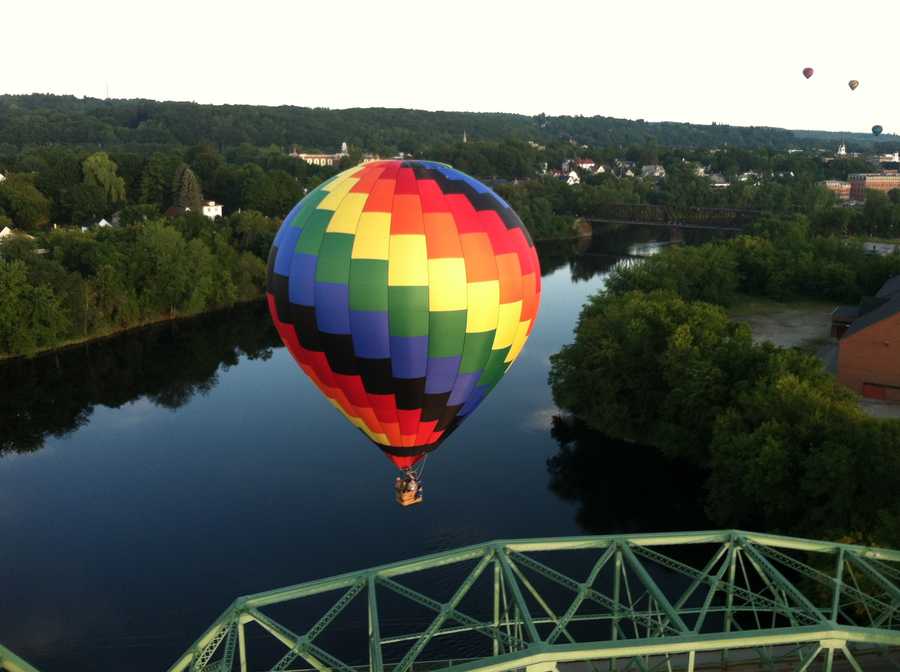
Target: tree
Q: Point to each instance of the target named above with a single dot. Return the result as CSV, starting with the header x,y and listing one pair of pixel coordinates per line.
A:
x,y
651,367
87,203
101,171
22,201
186,189
156,179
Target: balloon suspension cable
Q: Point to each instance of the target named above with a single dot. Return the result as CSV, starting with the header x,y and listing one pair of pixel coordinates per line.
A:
x,y
417,470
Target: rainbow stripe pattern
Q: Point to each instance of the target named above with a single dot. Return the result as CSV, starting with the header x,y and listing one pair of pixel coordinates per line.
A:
x,y
404,290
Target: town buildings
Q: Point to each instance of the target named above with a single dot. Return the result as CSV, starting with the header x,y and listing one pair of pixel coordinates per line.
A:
x,y
320,159
861,182
653,170
869,346
839,188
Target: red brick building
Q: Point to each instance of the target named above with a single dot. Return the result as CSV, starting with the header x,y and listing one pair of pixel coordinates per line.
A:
x,y
860,182
869,351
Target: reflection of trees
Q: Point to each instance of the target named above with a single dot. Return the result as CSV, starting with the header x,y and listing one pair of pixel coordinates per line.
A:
x,y
555,254
55,394
621,486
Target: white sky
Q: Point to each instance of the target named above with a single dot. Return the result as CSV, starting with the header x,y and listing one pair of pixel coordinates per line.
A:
x,y
684,60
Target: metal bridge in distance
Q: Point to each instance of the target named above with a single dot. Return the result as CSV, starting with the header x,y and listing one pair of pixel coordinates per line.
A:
x,y
722,219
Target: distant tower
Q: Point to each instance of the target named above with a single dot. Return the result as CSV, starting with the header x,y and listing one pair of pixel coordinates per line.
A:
x,y
842,150
465,139
343,148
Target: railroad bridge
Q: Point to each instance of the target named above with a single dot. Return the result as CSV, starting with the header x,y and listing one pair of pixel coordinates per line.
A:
x,y
643,602
723,219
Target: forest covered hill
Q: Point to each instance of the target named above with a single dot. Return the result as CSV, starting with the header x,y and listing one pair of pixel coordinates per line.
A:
x,y
38,119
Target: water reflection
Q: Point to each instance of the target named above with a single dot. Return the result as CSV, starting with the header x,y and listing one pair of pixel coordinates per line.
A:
x,y
55,394
621,486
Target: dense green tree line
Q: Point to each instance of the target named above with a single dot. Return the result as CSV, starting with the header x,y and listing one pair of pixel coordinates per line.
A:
x,y
42,119
68,285
781,261
69,185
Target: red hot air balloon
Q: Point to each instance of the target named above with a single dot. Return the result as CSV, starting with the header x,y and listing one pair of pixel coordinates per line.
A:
x,y
808,72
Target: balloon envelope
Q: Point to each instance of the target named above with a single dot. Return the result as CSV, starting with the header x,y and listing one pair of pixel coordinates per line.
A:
x,y
876,130
808,72
404,290
853,84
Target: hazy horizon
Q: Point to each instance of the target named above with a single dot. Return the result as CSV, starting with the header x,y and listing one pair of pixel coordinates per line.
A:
x,y
699,63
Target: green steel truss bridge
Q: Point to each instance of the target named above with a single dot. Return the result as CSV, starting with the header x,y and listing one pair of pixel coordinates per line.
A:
x,y
643,602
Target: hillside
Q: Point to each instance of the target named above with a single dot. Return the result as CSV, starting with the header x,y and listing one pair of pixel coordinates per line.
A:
x,y
37,119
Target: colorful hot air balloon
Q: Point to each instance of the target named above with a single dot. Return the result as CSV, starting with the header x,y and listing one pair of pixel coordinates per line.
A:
x,y
404,290
808,72
853,84
877,129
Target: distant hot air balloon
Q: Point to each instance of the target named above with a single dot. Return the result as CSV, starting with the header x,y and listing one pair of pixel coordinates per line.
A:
x,y
404,290
877,129
808,72
853,84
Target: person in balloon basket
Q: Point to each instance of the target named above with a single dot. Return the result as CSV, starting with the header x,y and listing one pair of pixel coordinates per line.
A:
x,y
408,489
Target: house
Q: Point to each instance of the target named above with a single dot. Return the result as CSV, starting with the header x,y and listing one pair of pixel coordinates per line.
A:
x,y
211,209
2,177
718,181
750,176
841,150
653,170
869,348
585,164
103,224
571,178
8,233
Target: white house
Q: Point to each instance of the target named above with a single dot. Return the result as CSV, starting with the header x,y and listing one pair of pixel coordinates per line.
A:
x,y
718,181
653,170
211,209
572,178
103,224
2,177
841,150
8,233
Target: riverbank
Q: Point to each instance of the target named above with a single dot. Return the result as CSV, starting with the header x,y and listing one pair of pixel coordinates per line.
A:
x,y
113,333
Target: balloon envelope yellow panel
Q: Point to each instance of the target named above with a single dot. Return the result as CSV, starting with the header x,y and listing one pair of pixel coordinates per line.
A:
x,y
404,290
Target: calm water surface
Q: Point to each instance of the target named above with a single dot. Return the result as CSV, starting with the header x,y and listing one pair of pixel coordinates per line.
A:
x,y
147,480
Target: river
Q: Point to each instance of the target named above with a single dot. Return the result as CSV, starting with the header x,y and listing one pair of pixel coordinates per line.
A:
x,y
148,479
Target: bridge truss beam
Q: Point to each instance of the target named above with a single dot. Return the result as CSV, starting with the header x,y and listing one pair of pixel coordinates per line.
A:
x,y
646,602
